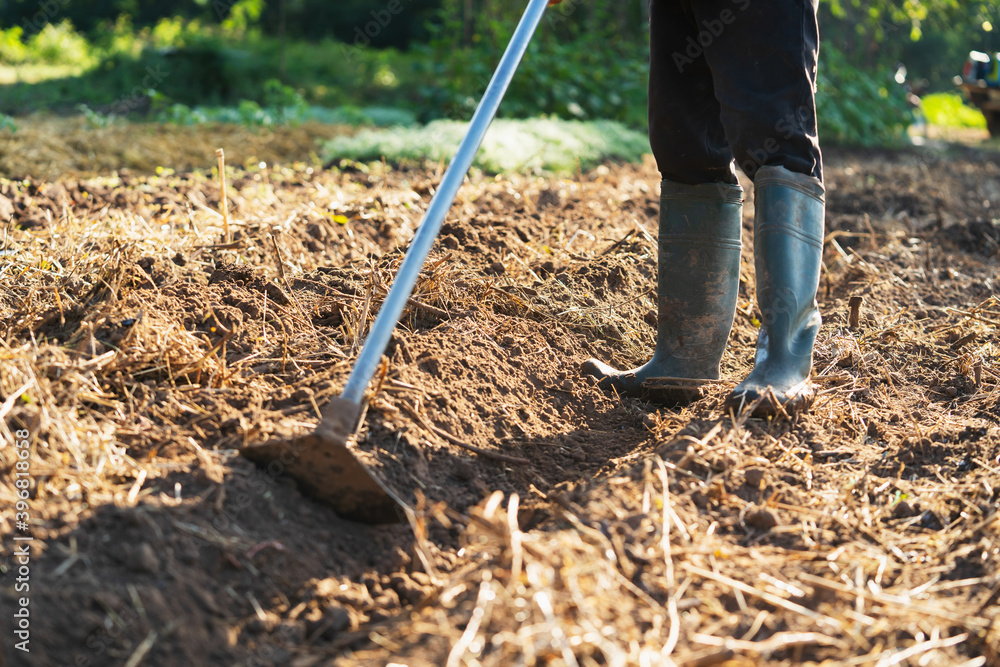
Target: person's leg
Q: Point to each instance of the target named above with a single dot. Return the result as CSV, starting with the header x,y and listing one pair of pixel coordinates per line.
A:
x,y
763,61
685,128
701,213
763,64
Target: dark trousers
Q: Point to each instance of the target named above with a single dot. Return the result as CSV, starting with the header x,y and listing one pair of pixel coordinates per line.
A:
x,y
733,80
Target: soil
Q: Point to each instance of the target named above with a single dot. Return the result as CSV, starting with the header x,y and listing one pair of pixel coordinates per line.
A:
x,y
149,350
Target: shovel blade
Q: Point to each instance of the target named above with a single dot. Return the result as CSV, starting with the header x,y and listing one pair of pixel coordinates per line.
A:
x,y
325,468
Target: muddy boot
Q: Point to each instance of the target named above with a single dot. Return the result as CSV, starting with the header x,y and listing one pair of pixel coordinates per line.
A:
x,y
788,251
697,282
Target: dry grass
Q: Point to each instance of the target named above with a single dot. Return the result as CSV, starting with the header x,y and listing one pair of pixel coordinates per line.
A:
x,y
654,583
667,563
864,533
52,148
839,539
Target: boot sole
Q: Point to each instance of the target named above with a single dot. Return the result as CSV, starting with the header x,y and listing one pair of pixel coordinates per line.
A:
x,y
674,392
667,392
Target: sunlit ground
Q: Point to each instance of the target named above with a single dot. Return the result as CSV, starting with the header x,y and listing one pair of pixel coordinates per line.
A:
x,y
10,74
921,135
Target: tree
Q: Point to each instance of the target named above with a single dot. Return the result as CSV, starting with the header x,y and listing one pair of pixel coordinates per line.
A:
x,y
931,37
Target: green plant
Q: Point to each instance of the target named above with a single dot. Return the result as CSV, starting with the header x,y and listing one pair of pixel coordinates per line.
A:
x,y
950,110
7,123
242,15
375,116
290,105
12,49
61,44
856,107
182,114
94,119
250,113
586,73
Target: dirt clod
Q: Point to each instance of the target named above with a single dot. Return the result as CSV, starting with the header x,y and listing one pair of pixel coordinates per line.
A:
x,y
6,209
409,590
762,519
754,477
145,559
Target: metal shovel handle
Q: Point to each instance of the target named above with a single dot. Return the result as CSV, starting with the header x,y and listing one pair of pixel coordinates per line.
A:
x,y
416,255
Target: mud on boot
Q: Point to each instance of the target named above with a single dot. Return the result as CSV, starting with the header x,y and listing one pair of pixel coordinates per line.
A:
x,y
698,276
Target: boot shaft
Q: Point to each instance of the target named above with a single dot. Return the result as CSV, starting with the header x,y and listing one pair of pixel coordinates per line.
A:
x,y
697,275
788,249
702,215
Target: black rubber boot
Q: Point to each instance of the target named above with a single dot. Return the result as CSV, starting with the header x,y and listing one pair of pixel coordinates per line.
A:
x,y
788,252
697,282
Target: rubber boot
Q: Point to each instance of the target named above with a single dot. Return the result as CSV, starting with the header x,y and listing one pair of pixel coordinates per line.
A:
x,y
788,252
697,283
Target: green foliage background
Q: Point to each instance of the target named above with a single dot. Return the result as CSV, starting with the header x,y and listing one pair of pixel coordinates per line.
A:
x,y
274,60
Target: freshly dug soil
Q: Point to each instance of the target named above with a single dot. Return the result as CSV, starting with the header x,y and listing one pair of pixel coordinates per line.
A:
x,y
142,352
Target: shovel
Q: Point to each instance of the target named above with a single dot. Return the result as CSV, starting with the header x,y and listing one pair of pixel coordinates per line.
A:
x,y
321,461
